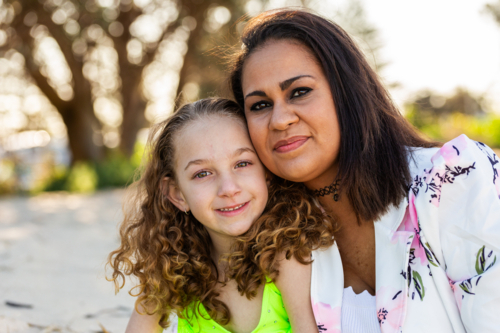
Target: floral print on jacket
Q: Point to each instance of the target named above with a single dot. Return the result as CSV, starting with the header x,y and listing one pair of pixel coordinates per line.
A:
x,y
436,253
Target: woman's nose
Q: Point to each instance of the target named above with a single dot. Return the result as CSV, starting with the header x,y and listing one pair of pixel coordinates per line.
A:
x,y
228,186
283,115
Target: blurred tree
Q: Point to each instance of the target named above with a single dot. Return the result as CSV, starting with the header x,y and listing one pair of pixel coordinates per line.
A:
x,y
443,118
494,9
353,18
428,107
110,66
99,39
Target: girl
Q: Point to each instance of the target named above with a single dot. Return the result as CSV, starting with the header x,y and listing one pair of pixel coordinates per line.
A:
x,y
203,185
419,222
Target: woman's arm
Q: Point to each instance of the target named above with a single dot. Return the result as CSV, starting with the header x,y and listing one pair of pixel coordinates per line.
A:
x,y
143,323
294,283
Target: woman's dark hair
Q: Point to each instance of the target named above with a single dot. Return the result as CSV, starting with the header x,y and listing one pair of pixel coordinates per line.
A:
x,y
373,156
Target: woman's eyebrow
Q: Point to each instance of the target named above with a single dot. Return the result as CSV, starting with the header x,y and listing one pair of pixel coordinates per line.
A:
x,y
283,85
256,93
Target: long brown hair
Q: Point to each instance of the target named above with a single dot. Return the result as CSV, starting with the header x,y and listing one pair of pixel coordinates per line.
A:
x,y
169,251
375,137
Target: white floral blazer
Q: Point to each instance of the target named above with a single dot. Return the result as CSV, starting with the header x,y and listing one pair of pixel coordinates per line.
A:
x,y
436,254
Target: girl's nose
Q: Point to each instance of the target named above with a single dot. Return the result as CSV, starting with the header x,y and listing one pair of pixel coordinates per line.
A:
x,y
228,186
282,117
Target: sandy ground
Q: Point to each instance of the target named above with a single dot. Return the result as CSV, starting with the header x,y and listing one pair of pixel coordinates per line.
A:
x,y
53,248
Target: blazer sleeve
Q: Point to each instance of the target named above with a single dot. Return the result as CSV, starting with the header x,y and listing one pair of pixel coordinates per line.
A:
x,y
465,178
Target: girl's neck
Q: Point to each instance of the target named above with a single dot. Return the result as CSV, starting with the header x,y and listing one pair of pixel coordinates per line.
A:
x,y
221,244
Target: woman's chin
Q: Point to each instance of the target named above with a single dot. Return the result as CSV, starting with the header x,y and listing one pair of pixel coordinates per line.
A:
x,y
298,172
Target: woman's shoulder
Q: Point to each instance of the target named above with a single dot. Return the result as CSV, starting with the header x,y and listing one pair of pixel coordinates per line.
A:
x,y
460,155
458,165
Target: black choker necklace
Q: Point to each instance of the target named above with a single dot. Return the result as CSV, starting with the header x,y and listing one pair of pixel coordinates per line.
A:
x,y
332,188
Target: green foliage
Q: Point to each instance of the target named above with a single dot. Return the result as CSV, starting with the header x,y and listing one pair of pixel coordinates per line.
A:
x,y
485,129
7,176
458,114
56,181
82,178
115,171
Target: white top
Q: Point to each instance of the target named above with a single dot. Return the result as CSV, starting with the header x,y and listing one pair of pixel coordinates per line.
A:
x,y
359,312
437,252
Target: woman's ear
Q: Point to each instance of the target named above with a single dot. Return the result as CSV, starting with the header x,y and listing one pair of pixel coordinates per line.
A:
x,y
173,193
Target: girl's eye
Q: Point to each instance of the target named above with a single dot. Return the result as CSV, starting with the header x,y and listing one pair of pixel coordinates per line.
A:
x,y
242,164
300,92
202,174
259,106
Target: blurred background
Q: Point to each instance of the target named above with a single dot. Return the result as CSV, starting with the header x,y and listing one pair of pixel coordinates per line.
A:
x,y
82,80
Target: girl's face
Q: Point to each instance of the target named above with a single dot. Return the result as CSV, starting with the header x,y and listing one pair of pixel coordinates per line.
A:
x,y
290,112
219,179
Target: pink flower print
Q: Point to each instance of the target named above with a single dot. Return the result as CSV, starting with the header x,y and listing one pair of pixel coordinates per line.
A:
x,y
450,152
327,319
390,309
410,223
457,292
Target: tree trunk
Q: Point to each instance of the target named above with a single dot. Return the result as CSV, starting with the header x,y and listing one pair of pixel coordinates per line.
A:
x,y
77,114
190,64
133,111
80,132
133,103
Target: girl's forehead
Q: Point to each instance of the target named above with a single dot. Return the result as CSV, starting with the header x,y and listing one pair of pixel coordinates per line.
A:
x,y
211,124
211,137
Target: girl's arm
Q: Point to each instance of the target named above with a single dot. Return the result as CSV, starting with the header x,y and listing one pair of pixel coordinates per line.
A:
x,y
294,283
143,323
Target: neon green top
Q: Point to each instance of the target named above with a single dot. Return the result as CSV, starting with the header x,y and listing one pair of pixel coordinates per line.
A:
x,y
273,317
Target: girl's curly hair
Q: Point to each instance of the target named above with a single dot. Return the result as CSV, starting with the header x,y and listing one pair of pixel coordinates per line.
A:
x,y
293,224
169,251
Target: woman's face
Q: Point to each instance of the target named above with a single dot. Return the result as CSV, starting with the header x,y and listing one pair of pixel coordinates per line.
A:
x,y
290,113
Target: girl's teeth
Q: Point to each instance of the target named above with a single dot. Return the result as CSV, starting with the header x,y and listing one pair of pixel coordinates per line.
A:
x,y
230,209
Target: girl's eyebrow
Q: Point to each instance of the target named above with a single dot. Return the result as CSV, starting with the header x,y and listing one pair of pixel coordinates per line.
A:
x,y
242,150
237,152
195,162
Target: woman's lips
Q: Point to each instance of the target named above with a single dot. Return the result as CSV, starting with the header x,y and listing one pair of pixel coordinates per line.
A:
x,y
235,210
290,144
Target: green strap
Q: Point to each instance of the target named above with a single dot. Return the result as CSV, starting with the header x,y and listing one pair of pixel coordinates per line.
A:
x,y
273,317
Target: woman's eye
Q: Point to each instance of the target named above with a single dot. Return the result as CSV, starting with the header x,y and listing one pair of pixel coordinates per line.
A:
x,y
202,174
242,164
259,106
300,91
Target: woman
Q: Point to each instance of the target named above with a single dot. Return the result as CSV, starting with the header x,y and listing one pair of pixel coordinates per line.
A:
x,y
419,225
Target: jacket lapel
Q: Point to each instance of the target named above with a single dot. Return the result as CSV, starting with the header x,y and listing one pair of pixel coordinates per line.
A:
x,y
392,256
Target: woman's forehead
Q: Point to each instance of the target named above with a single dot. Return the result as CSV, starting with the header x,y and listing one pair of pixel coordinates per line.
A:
x,y
276,62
